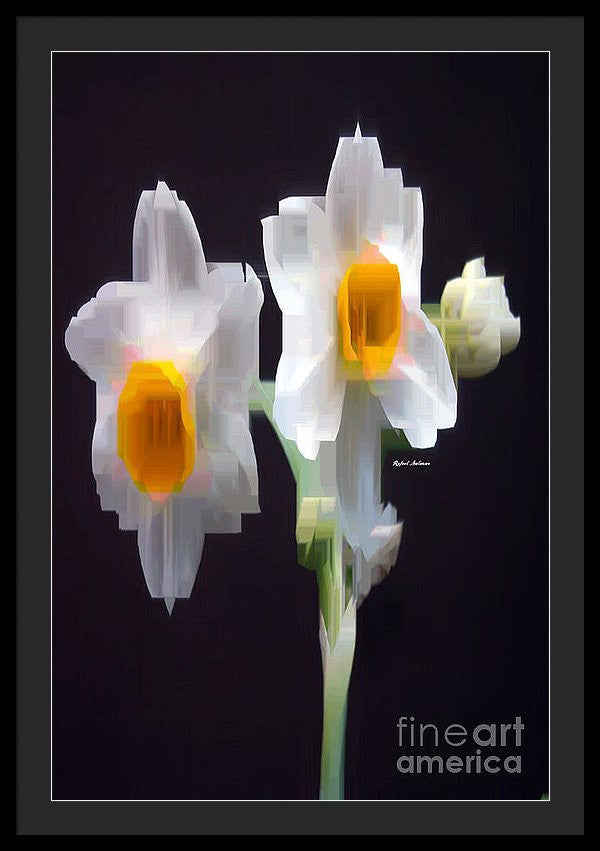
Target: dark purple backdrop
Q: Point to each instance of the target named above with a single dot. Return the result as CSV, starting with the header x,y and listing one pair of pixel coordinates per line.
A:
x,y
223,700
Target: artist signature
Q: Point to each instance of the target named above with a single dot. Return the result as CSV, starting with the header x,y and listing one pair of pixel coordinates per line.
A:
x,y
412,463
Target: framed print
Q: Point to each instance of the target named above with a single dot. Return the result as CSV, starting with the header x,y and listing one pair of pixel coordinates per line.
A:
x,y
301,452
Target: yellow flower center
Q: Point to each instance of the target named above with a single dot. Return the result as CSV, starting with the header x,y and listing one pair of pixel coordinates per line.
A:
x,y
369,314
155,428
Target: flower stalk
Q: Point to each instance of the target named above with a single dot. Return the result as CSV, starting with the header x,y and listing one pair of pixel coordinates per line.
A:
x,y
337,669
321,548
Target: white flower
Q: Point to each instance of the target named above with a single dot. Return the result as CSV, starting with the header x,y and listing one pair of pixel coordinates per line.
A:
x,y
476,322
359,354
173,353
346,271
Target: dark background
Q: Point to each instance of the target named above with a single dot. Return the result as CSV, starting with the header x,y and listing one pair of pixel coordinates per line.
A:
x,y
223,700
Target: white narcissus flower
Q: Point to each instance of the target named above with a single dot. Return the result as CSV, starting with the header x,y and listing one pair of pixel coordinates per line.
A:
x,y
358,354
346,272
172,353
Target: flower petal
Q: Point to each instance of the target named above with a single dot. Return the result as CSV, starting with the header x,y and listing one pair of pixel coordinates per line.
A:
x,y
167,251
300,260
309,395
358,463
378,556
235,352
419,395
354,202
170,542
113,483
401,242
96,338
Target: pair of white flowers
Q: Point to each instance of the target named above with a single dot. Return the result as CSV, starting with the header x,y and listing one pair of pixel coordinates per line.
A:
x,y
174,353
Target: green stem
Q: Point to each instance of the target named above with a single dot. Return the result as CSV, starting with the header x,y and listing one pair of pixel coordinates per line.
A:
x,y
320,545
337,668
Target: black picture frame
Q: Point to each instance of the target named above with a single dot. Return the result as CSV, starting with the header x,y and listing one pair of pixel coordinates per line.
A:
x,y
36,38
